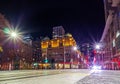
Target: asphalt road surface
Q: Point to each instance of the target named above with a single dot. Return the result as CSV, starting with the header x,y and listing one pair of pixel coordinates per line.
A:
x,y
70,76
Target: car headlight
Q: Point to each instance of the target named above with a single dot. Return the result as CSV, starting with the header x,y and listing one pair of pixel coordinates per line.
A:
x,y
96,67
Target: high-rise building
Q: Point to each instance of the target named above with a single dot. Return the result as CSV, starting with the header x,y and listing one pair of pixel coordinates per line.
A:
x,y
37,57
111,35
87,49
58,31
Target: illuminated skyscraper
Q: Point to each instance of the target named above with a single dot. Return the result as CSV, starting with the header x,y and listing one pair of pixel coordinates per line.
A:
x,y
58,31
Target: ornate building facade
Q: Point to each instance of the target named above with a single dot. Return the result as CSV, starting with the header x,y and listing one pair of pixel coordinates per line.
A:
x,y
3,47
111,35
13,55
59,52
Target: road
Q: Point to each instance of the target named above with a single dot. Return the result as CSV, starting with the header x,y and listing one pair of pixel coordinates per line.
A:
x,y
70,76
42,76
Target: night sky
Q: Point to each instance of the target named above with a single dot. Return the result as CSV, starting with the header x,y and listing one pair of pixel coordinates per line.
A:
x,y
84,19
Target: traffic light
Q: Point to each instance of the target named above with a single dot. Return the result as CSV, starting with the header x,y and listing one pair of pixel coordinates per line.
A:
x,y
6,30
46,60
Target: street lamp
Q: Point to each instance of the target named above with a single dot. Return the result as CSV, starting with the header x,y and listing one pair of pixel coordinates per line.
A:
x,y
14,36
74,48
64,59
97,46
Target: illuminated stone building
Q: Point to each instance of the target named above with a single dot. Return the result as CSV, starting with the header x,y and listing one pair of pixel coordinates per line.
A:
x,y
3,47
59,51
13,55
111,35
3,24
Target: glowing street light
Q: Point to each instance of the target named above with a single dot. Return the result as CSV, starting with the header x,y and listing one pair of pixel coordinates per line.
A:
x,y
14,34
97,46
75,48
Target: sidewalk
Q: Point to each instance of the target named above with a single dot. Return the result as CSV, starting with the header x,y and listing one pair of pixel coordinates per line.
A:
x,y
106,77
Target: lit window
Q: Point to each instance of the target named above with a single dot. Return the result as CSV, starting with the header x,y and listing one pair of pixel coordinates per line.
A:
x,y
117,34
113,42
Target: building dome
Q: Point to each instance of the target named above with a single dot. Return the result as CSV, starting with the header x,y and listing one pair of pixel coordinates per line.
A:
x,y
68,35
46,38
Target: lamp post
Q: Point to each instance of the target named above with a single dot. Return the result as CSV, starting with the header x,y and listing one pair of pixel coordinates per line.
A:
x,y
46,57
74,49
14,36
97,47
64,59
